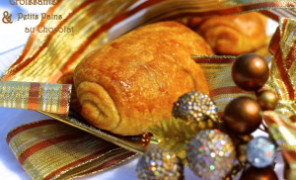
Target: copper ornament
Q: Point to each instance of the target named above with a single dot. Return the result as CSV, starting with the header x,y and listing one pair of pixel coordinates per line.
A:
x,y
250,72
242,115
253,173
293,118
267,99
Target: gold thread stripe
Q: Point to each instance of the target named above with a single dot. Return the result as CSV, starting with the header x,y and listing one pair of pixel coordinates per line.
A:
x,y
217,70
84,18
48,130
222,8
108,164
285,136
20,129
63,154
281,45
67,56
283,69
53,98
44,144
33,96
78,161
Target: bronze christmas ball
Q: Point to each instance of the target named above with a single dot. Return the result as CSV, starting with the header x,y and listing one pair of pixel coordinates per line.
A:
x,y
242,115
267,99
253,173
292,120
250,72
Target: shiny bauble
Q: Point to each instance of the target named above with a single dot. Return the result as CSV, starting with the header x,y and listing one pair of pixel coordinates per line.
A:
x,y
211,154
250,72
242,115
292,120
261,152
158,164
253,173
267,99
195,106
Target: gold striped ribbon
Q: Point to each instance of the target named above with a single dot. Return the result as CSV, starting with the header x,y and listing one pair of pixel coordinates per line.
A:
x,y
47,56
217,70
283,70
285,136
49,150
283,81
52,98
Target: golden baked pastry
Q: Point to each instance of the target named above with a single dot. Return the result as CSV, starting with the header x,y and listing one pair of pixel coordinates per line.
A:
x,y
264,49
235,34
131,83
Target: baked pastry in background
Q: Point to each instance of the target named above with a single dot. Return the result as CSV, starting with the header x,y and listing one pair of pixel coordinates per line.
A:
x,y
263,51
234,34
131,83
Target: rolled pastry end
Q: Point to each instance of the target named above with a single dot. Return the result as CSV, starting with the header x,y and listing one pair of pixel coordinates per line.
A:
x,y
97,106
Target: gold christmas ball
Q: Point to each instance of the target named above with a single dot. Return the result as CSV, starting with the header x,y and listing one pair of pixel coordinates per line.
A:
x,y
242,115
250,72
267,99
253,173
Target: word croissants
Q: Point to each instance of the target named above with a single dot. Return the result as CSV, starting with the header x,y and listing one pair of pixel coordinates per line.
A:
x,y
131,83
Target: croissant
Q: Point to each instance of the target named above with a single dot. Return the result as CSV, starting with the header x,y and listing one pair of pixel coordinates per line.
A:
x,y
235,34
131,83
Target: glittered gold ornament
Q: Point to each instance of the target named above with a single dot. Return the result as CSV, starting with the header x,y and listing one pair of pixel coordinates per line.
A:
x,y
174,134
267,99
194,107
211,154
250,72
242,115
159,164
253,173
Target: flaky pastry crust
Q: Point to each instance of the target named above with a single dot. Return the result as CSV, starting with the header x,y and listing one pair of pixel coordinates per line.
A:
x,y
234,34
131,83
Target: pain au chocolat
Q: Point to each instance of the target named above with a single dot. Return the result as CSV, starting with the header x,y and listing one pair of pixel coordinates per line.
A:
x,y
131,83
234,34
